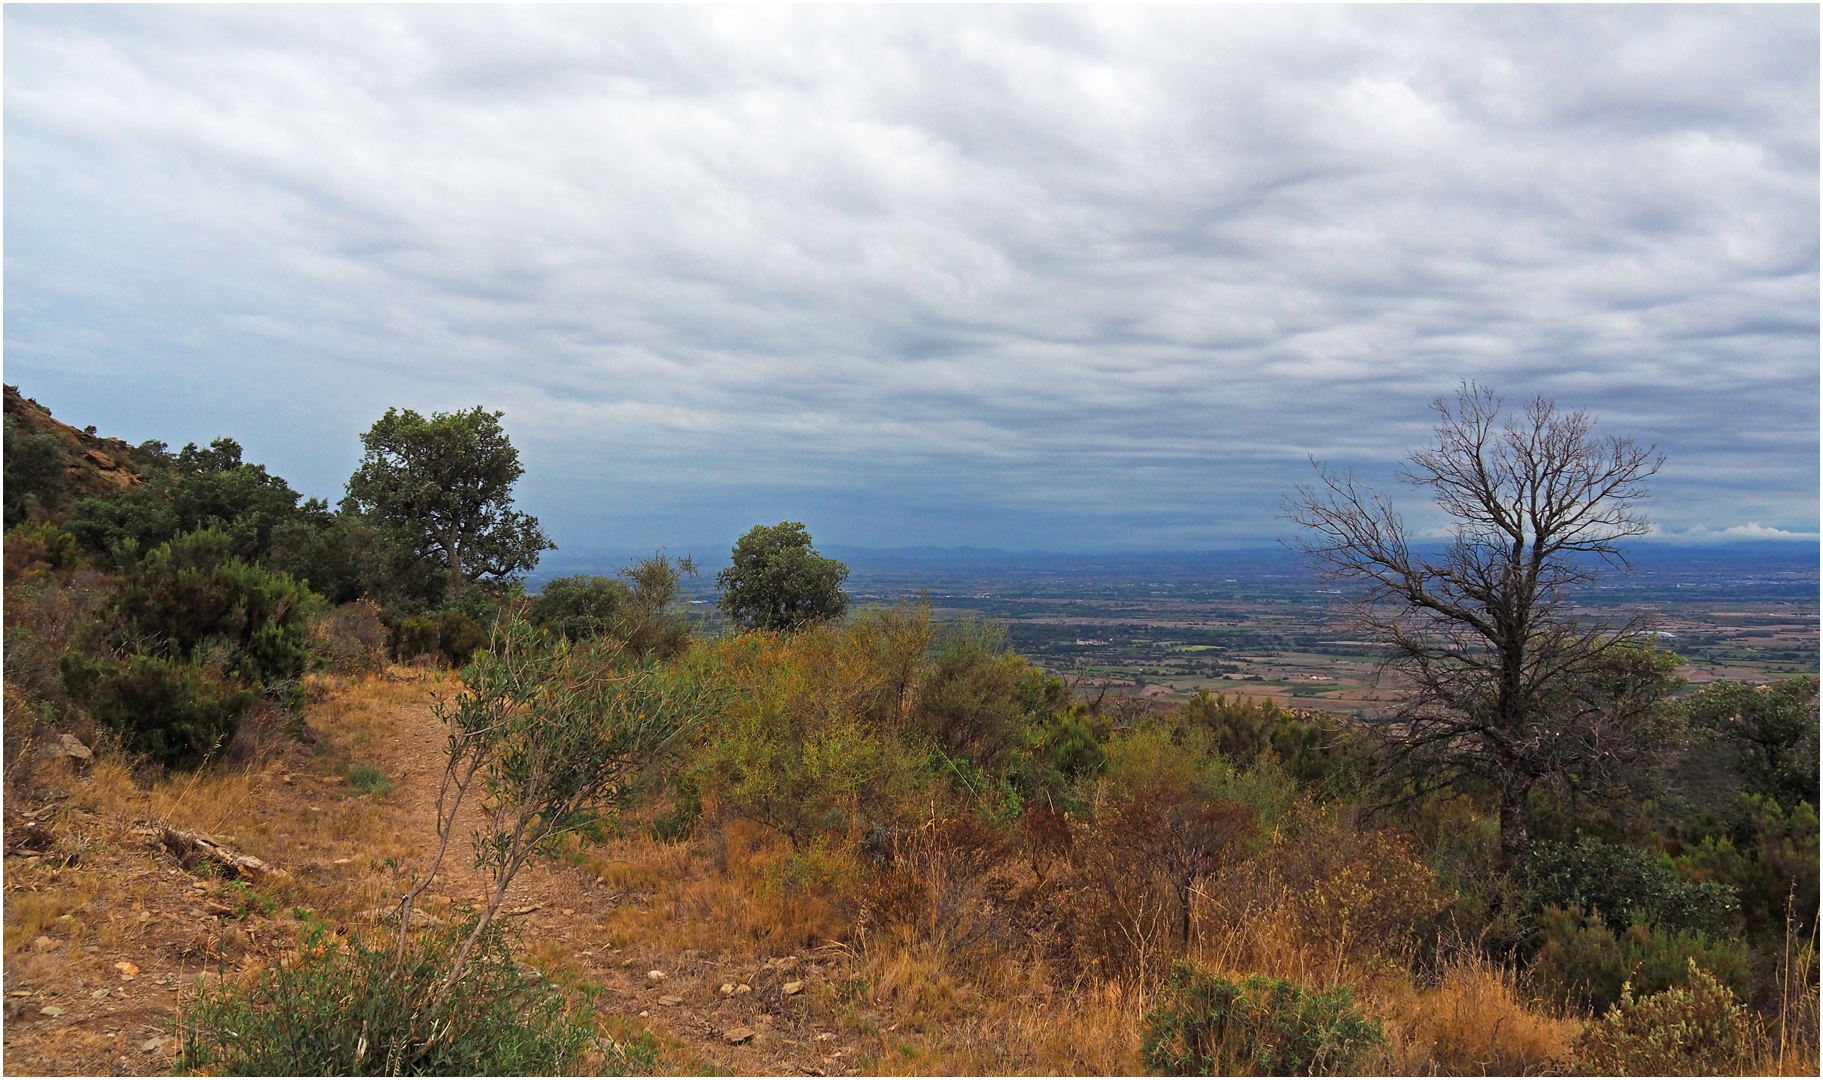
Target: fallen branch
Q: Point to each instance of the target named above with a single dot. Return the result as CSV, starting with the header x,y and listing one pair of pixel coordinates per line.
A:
x,y
193,848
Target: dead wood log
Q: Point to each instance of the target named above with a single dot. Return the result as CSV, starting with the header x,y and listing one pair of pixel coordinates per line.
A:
x,y
191,849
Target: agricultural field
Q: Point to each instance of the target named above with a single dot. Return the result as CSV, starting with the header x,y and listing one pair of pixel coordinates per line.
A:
x,y
1257,624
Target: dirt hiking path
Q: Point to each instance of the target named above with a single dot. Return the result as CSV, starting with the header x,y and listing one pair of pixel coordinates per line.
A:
x,y
108,930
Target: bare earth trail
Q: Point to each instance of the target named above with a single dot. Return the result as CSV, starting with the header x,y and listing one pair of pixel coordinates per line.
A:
x,y
563,913
103,948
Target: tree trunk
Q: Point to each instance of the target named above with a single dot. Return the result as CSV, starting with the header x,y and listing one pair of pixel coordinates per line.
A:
x,y
456,581
1515,823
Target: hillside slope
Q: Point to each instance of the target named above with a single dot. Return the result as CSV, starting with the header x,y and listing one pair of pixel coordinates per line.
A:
x,y
97,465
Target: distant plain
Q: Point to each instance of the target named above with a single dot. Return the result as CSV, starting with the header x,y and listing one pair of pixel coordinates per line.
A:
x,y
1261,624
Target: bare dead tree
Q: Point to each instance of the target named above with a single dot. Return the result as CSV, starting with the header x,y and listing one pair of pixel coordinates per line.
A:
x,y
1503,683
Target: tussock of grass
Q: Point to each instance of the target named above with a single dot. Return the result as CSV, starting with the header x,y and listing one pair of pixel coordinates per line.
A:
x,y
368,780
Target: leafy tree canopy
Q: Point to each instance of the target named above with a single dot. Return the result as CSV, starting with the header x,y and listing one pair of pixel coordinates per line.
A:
x,y
1773,729
779,582
445,483
198,488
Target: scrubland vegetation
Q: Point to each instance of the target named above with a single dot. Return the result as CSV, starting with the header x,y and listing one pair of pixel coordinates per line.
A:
x,y
970,867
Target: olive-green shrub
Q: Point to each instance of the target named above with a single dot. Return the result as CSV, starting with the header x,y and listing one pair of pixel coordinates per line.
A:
x,y
347,1008
1211,1026
1697,1029
1584,963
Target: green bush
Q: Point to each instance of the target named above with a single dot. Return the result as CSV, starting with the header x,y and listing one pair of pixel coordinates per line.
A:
x,y
1243,728
779,763
1210,1026
1778,866
1067,743
795,748
1584,964
654,622
346,1009
1698,1029
193,594
176,712
415,636
1624,884
1770,733
582,606
191,637
193,490
459,635
37,472
1311,748
969,702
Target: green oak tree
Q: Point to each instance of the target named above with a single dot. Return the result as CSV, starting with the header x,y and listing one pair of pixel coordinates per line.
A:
x,y
779,582
446,483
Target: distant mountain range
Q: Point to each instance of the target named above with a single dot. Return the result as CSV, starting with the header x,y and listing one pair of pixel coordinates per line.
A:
x,y
1793,562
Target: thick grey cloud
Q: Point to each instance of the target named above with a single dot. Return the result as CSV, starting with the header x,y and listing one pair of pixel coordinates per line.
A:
x,y
1027,277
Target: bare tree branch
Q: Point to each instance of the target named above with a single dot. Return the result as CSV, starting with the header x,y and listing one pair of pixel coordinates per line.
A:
x,y
1502,683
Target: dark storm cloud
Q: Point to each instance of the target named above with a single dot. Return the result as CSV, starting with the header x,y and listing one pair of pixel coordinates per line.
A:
x,y
1027,277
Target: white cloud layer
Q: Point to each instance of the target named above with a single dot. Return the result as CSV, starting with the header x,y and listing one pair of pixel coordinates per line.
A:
x,y
1027,277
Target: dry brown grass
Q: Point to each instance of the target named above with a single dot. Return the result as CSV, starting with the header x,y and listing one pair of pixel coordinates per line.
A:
x,y
915,1006
107,894
1474,1022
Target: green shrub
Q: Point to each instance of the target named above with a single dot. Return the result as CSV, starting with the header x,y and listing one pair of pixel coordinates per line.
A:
x,y
582,606
1698,1029
653,621
1624,884
346,1009
795,748
193,490
191,637
37,472
788,768
1242,728
969,702
193,594
1584,964
176,712
1778,865
1210,1026
1312,748
415,636
1770,733
1060,752
459,635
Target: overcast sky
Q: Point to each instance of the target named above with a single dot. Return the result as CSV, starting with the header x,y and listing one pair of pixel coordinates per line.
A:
x,y
1069,279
